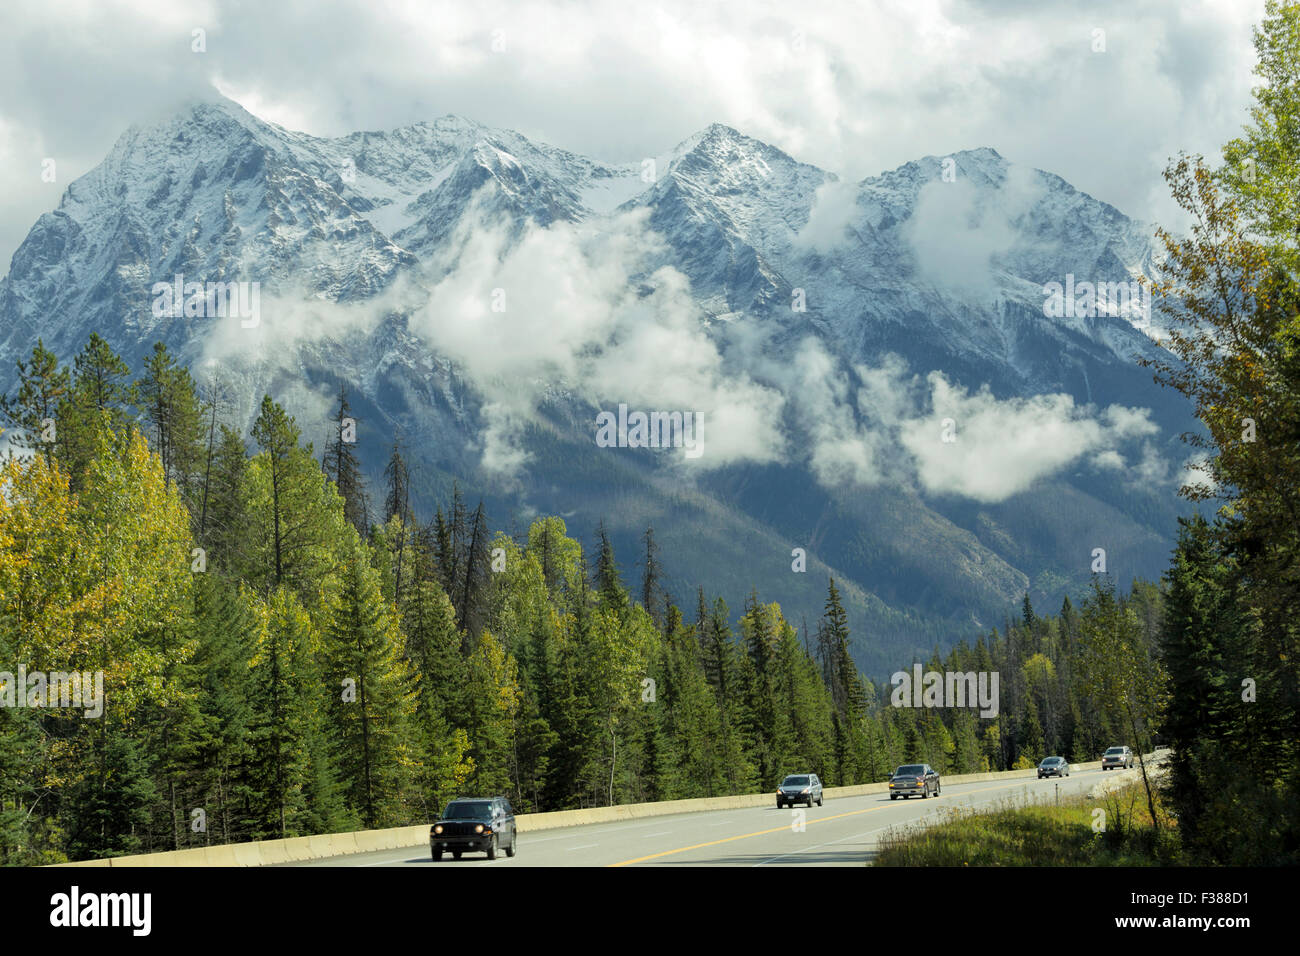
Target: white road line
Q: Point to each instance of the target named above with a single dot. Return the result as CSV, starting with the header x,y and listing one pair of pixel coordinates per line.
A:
x,y
660,833
819,845
531,840
634,826
583,847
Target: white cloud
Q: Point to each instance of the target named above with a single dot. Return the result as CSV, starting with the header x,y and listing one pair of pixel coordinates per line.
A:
x,y
1199,476
1110,460
578,316
1004,446
840,451
954,236
854,88
833,210
575,313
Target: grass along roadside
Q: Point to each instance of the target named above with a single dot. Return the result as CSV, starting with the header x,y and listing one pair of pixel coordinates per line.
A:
x,y
1019,833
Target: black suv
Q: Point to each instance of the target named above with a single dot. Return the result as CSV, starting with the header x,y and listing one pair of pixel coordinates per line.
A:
x,y
474,823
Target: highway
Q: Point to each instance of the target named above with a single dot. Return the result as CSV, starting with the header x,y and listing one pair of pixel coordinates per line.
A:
x,y
843,832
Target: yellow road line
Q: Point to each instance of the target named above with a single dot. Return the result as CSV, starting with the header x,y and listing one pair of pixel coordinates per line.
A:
x,y
745,836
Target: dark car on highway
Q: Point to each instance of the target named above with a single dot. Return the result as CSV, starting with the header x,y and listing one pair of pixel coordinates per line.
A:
x,y
1117,758
1053,767
475,824
914,778
799,788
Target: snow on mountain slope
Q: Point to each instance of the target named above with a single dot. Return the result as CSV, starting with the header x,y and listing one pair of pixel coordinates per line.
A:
x,y
834,303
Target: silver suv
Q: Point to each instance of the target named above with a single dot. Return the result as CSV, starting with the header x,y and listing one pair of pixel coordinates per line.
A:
x,y
799,788
1053,767
1117,758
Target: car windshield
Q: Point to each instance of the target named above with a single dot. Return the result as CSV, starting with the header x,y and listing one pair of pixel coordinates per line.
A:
x,y
911,770
1115,750
468,810
1052,761
795,782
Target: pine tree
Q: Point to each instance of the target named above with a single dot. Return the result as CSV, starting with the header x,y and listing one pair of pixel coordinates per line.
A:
x,y
433,647
225,632
371,697
342,467
493,704
93,407
651,572
474,575
608,582
296,516
171,407
42,387
285,737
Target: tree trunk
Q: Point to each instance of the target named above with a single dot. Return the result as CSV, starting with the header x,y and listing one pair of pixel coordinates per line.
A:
x,y
1146,782
613,761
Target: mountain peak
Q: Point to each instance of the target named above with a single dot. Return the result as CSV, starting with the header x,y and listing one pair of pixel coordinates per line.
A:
x,y
716,136
719,149
215,117
454,122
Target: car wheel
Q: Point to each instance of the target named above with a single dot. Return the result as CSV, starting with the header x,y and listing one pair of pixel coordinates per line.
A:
x,y
455,854
510,850
780,805
492,849
437,855
893,796
820,799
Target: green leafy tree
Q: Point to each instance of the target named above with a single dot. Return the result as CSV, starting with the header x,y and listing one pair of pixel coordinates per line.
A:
x,y
1115,666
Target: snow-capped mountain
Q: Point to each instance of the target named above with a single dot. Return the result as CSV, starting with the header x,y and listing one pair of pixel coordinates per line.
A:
x,y
819,309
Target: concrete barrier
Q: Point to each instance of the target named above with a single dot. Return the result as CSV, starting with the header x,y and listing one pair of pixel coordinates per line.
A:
x,y
298,849
1156,766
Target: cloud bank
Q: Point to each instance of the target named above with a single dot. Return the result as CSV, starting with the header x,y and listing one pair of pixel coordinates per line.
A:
x,y
854,88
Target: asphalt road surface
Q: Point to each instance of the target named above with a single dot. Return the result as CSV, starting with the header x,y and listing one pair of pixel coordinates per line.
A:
x,y
843,832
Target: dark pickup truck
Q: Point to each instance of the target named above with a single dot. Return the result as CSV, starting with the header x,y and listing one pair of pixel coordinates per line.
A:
x,y
912,778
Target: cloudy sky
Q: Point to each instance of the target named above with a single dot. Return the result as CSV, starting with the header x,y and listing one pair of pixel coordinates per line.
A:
x,y
852,86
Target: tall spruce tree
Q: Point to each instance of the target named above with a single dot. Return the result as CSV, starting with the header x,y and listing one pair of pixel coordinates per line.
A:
x,y
32,411
342,467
